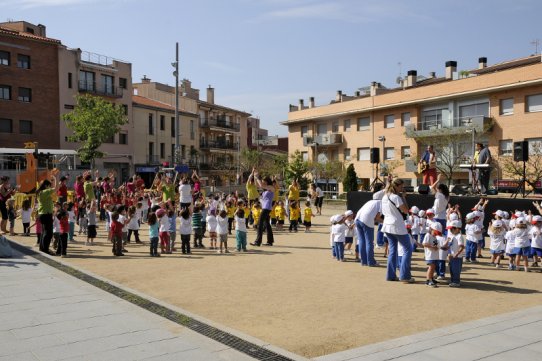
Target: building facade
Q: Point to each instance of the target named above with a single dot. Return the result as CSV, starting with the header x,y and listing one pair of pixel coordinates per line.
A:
x,y
29,110
89,73
501,103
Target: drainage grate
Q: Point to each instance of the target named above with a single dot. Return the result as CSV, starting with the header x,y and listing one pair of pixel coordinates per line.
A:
x,y
211,332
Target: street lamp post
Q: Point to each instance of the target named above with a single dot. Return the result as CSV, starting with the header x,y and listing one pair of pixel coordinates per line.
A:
x,y
177,155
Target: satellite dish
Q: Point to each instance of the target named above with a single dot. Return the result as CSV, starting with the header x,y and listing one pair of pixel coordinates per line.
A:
x,y
398,80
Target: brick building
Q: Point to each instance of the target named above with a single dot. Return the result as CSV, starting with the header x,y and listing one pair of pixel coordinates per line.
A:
x,y
29,96
501,103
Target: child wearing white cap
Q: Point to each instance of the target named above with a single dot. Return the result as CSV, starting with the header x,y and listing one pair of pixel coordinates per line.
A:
x,y
510,245
349,236
414,222
522,245
432,242
455,245
536,239
497,246
422,226
473,233
338,230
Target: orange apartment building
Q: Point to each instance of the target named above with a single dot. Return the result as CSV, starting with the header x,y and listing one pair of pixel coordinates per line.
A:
x,y
502,103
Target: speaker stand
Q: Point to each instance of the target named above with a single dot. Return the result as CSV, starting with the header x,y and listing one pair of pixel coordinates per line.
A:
x,y
377,179
521,185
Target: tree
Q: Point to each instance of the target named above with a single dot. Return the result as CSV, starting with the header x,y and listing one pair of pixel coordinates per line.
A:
x,y
93,121
251,158
533,167
350,182
297,169
275,165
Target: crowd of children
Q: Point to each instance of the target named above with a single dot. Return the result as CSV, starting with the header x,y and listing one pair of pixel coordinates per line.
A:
x,y
517,236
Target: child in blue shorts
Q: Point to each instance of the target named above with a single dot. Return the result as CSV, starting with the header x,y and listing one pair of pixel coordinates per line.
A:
x,y
522,246
431,243
536,239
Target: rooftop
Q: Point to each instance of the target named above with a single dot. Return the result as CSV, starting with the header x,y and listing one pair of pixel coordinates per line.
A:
x,y
29,36
146,102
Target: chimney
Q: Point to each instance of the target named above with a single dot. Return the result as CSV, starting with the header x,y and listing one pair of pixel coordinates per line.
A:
x,y
311,102
412,75
358,93
301,105
374,88
42,30
145,80
432,75
293,108
482,62
210,95
339,96
451,68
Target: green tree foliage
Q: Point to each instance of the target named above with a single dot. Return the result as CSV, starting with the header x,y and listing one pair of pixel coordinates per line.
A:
x,y
297,169
93,121
350,182
251,158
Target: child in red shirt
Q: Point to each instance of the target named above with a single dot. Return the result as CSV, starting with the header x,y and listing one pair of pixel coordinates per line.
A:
x,y
116,234
64,230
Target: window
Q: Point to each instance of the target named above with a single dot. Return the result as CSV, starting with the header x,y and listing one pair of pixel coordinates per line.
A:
x,y
86,80
70,80
162,122
405,119
107,84
534,103
5,92
507,106
25,126
474,110
389,121
535,146
23,61
4,58
335,126
305,156
363,154
110,140
506,147
151,125
172,127
25,95
173,158
6,125
123,138
321,129
125,109
304,130
183,150
389,153
192,132
162,150
347,125
151,149
432,119
347,154
363,124
405,152
122,83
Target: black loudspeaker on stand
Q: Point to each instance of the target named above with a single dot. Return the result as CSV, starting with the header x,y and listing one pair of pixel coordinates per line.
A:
x,y
521,151
375,155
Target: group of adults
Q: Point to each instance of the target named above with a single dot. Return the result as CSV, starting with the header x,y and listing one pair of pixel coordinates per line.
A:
x,y
482,156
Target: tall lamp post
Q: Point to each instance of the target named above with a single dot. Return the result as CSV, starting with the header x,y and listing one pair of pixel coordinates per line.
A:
x,y
177,155
383,167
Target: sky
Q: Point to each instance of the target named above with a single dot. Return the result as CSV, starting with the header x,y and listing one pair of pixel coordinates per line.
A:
x,y
262,55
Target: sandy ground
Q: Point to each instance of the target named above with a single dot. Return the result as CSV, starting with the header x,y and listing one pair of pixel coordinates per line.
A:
x,y
294,295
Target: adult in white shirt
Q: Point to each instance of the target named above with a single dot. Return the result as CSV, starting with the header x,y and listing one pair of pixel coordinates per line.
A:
x,y
442,197
318,195
185,193
393,204
365,220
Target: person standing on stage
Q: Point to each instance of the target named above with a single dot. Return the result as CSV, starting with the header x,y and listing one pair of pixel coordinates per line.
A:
x,y
484,157
428,164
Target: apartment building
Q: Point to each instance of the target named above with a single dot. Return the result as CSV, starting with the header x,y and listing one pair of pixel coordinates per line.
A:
x,y
500,103
82,72
28,86
214,139
154,133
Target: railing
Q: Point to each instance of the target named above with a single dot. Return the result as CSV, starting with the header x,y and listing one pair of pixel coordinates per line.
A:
x,y
90,87
153,159
478,120
217,166
220,123
218,145
96,58
323,140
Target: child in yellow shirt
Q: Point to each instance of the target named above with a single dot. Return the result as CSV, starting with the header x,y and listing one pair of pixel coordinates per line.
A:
x,y
280,213
294,216
256,212
230,209
307,212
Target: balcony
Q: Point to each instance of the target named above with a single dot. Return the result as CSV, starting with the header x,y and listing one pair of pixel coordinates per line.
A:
x,y
324,140
153,159
436,127
90,87
218,166
207,145
219,123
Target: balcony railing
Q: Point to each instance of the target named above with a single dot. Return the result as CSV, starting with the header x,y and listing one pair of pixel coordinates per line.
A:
x,y
458,125
90,87
323,140
218,145
218,166
153,159
219,123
